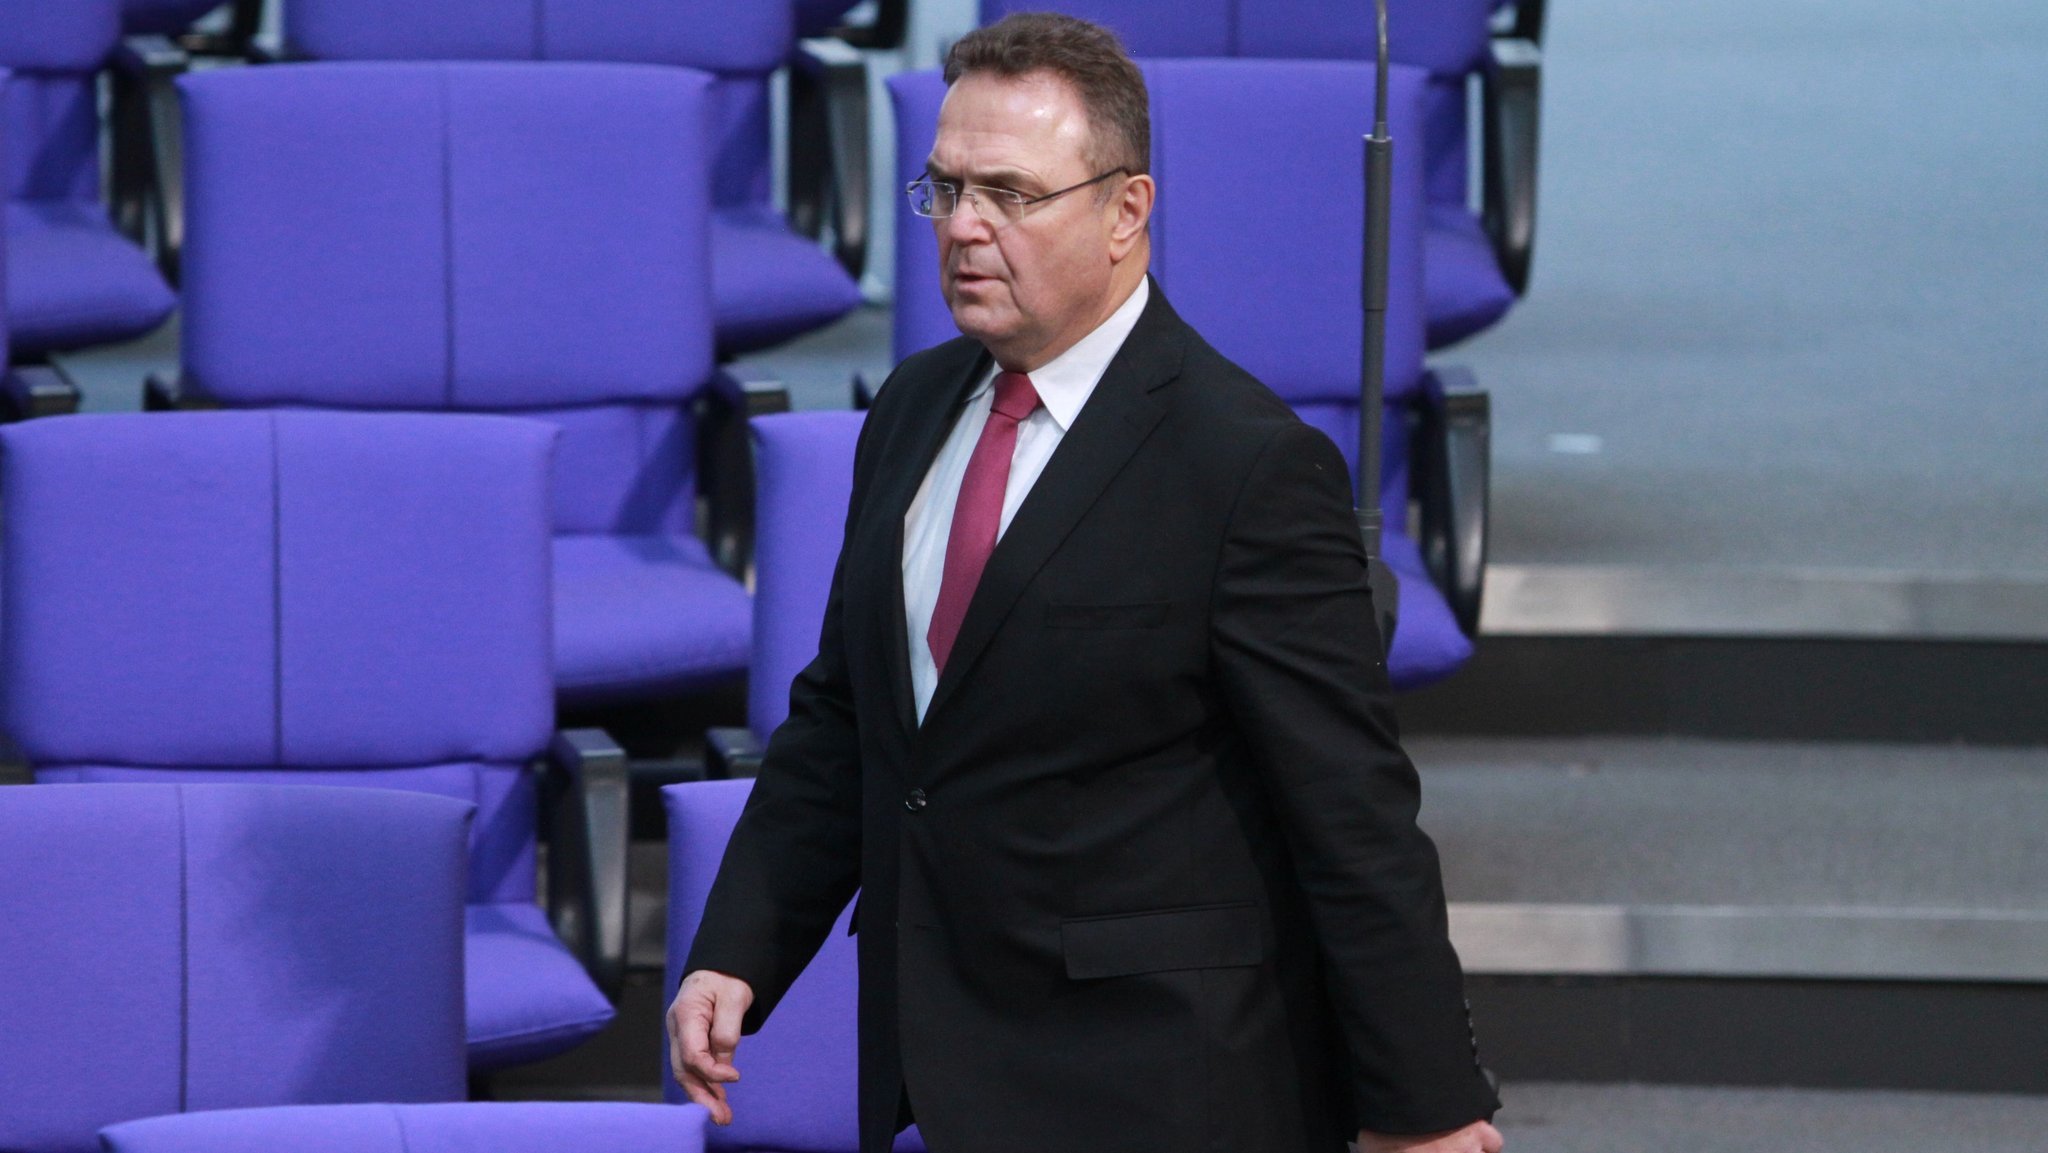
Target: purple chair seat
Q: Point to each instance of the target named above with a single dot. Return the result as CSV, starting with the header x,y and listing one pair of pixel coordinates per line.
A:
x,y
526,998
174,947
1461,276
524,1127
641,614
73,280
768,283
798,1074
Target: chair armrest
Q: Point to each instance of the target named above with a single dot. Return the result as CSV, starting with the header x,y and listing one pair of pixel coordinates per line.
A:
x,y
36,390
886,32
147,169
726,470
1513,84
730,753
828,148
584,807
1452,457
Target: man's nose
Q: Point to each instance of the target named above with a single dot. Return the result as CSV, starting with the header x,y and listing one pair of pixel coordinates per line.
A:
x,y
967,225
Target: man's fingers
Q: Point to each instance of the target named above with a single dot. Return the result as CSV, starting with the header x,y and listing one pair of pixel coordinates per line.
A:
x,y
712,1097
725,1031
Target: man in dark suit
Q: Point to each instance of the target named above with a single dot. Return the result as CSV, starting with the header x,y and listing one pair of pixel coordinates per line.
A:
x,y
1097,725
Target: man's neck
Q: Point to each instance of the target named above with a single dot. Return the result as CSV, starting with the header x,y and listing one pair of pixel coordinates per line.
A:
x,y
1121,287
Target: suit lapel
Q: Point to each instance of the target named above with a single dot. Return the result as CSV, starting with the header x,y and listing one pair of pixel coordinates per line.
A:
x,y
1118,417
926,427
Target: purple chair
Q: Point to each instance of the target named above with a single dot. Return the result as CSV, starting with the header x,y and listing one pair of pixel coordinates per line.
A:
x,y
71,280
797,1091
525,1127
768,282
1274,284
190,947
327,598
525,238
1476,263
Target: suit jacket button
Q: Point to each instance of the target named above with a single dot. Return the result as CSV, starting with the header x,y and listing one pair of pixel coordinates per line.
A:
x,y
915,802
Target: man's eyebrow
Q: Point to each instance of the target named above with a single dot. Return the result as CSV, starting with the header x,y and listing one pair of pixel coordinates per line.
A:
x,y
1015,179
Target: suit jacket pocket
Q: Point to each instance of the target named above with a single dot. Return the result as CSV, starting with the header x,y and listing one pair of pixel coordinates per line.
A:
x,y
1200,937
1141,615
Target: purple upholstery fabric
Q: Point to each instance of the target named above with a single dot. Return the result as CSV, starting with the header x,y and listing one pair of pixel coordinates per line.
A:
x,y
523,1127
1257,236
1448,37
246,945
772,283
644,615
501,840
339,597
769,283
921,318
803,478
624,468
74,36
1201,28
70,279
796,1092
526,997
533,237
514,221
257,612
1466,290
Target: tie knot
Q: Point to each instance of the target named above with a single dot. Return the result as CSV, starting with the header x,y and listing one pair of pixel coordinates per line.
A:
x,y
1015,398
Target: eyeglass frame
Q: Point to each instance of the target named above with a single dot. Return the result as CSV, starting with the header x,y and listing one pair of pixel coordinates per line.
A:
x,y
965,191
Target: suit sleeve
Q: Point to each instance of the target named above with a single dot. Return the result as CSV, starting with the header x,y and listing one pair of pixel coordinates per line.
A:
x,y
1299,659
794,858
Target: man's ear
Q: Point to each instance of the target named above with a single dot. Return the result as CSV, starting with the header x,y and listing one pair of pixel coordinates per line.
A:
x,y
1132,211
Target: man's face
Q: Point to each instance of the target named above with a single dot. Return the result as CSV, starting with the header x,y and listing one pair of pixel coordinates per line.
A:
x,y
1031,288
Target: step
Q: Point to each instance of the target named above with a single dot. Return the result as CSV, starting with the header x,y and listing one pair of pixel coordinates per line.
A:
x,y
1545,1117
1719,912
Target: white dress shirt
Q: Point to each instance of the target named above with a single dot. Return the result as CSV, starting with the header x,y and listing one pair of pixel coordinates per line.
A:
x,y
1063,386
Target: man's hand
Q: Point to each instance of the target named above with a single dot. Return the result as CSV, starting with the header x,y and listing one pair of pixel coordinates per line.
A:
x,y
1478,1137
703,1032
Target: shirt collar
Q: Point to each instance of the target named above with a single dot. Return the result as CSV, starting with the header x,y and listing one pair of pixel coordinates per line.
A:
x,y
1065,383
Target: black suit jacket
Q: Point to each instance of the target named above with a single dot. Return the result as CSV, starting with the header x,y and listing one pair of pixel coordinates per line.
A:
x,y
1148,876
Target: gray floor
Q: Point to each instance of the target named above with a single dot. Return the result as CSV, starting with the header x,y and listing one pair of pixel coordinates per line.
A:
x,y
1556,1118
1791,262
1688,822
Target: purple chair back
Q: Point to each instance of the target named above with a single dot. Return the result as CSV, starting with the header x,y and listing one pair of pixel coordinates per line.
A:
x,y
803,478
175,948
741,43
463,236
797,1092
330,597
51,117
522,1127
1444,36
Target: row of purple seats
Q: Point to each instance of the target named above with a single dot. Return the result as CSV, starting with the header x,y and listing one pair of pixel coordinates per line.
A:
x,y
1475,263
1256,239
326,598
523,238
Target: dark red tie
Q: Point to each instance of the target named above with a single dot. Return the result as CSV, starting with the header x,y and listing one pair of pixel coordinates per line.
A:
x,y
979,510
